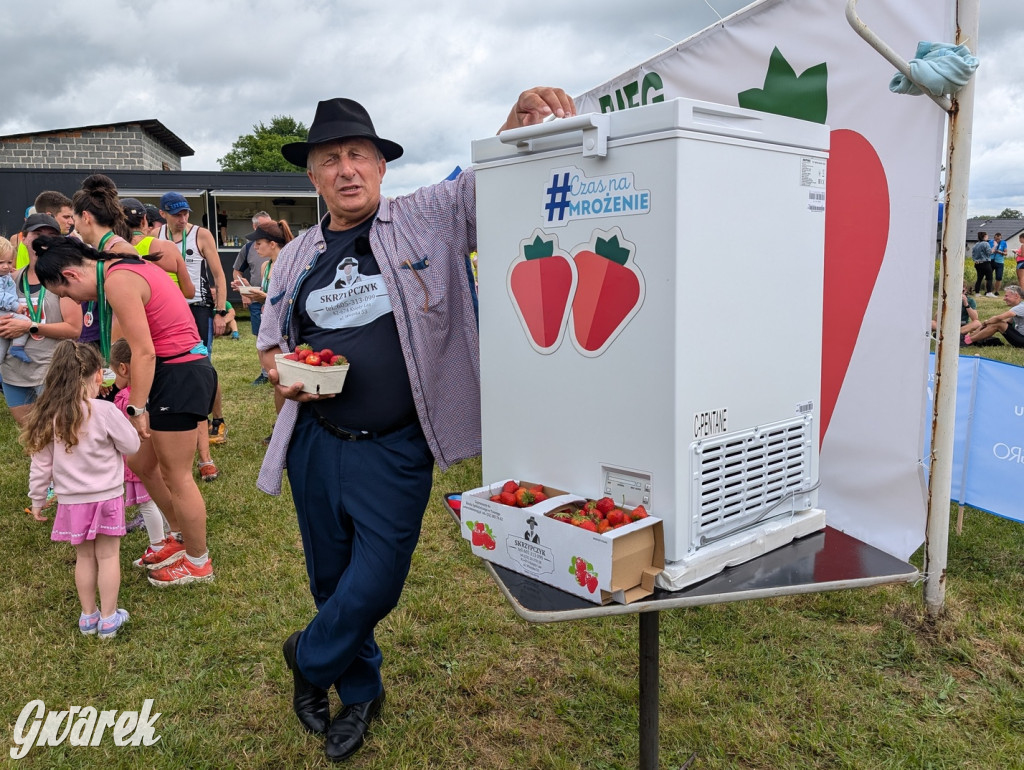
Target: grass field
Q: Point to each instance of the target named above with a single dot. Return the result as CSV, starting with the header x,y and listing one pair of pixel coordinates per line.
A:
x,y
855,679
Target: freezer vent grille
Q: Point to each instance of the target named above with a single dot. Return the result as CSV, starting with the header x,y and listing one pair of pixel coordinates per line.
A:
x,y
739,475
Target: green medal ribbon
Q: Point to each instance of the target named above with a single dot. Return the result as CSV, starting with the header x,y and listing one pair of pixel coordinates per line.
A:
x,y
35,312
265,283
104,313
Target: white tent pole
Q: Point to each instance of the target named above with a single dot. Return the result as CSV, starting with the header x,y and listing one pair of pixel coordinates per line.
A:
x,y
954,233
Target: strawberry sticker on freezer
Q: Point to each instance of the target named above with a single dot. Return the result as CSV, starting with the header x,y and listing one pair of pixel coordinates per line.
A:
x,y
609,292
541,281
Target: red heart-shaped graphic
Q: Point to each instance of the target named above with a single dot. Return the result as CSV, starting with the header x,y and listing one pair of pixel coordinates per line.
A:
x,y
856,234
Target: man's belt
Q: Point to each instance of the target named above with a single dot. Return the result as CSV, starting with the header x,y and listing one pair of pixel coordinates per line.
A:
x,y
358,435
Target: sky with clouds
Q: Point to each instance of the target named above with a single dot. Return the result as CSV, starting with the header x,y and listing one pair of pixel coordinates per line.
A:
x,y
434,77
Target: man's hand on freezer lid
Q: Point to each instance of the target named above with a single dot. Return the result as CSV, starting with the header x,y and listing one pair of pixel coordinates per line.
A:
x,y
535,105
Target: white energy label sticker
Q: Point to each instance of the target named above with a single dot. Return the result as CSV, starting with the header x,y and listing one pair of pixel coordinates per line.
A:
x,y
812,176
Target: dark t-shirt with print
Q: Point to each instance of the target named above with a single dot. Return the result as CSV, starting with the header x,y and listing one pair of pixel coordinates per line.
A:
x,y
344,305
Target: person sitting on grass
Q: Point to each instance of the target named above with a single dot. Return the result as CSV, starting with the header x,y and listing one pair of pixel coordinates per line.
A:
x,y
968,315
1009,323
231,323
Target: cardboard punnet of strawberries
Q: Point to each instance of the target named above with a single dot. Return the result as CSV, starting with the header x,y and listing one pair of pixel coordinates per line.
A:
x,y
320,371
593,549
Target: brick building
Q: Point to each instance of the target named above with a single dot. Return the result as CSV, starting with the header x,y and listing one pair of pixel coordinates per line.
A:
x,y
141,145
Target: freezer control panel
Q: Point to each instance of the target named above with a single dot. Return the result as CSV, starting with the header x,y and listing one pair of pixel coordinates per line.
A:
x,y
626,486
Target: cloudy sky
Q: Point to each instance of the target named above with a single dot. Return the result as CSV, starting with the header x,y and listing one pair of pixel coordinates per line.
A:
x,y
434,76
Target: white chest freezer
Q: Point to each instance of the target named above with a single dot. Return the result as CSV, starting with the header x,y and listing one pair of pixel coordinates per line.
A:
x,y
650,290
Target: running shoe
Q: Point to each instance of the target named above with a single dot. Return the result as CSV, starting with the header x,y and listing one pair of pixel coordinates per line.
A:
x,y
218,431
88,624
263,379
182,572
208,471
170,550
109,627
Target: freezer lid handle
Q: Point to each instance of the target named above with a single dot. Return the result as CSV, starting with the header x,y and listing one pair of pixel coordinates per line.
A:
x,y
594,127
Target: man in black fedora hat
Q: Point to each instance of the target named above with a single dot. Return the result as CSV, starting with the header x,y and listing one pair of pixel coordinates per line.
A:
x,y
360,464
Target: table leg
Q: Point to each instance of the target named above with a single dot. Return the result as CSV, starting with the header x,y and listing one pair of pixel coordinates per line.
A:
x,y
649,643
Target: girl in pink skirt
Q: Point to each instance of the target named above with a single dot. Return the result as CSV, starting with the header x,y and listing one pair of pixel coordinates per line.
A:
x,y
77,443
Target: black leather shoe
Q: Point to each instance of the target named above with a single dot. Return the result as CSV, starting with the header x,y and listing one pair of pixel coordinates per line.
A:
x,y
309,701
348,730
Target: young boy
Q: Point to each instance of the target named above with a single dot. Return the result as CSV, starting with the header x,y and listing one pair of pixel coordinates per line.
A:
x,y
10,305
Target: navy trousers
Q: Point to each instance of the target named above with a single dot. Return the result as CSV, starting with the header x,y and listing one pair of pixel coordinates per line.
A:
x,y
360,506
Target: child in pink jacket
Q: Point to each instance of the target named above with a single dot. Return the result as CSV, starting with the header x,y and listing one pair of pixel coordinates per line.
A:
x,y
77,443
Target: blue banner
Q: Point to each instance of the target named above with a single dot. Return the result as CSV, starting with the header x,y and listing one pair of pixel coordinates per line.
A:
x,y
988,444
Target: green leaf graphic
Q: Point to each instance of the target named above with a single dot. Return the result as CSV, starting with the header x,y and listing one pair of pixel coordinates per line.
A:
x,y
803,96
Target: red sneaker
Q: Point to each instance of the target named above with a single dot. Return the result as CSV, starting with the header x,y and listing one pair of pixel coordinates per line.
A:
x,y
181,572
170,550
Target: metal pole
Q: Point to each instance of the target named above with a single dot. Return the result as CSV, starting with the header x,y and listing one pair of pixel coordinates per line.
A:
x,y
954,229
649,690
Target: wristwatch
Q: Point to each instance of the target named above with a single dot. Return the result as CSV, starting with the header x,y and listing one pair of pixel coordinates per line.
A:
x,y
33,329
221,313
135,411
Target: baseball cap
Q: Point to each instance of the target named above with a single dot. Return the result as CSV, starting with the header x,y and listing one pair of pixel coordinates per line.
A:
x,y
173,202
133,206
153,214
35,222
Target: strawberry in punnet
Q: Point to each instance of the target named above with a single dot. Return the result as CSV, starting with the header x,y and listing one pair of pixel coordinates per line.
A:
x,y
589,525
614,517
304,349
639,513
603,526
326,354
292,356
313,359
508,498
338,360
524,497
540,282
539,497
510,486
609,293
496,498
604,505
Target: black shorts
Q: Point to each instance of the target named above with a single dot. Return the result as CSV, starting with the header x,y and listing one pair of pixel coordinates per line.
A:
x,y
182,394
1014,337
203,316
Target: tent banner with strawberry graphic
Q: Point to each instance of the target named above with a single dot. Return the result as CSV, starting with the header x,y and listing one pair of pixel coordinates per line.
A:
x,y
801,58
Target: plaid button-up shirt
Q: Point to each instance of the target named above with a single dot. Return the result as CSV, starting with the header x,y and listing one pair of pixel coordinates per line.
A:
x,y
421,242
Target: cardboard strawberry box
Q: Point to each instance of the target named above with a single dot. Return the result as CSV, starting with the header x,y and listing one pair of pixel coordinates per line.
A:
x,y
617,566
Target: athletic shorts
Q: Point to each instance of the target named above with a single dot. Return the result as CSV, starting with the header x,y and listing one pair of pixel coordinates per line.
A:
x,y
1014,337
203,316
182,394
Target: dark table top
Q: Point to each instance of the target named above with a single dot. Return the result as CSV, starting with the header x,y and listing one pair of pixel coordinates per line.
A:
x,y
828,560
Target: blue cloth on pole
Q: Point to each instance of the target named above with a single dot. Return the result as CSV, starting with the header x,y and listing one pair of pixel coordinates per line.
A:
x,y
939,68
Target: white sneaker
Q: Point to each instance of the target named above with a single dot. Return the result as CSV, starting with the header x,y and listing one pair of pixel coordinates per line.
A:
x,y
991,294
109,627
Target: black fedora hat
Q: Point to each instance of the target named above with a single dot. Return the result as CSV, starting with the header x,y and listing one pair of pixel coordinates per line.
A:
x,y
339,119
